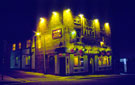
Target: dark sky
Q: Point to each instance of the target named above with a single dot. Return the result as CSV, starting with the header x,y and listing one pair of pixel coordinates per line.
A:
x,y
19,18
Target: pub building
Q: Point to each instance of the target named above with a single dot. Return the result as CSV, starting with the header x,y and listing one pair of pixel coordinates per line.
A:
x,y
71,45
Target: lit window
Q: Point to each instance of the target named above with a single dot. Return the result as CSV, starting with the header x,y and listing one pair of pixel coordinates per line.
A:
x,y
27,59
19,45
81,62
14,47
28,43
75,61
99,61
104,61
91,61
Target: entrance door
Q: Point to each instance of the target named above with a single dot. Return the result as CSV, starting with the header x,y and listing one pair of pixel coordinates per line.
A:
x,y
51,65
90,65
62,66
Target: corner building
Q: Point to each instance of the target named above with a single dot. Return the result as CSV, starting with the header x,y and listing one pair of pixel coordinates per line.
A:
x,y
71,45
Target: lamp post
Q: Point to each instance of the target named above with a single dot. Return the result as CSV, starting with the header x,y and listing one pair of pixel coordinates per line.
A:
x,y
41,34
35,40
82,21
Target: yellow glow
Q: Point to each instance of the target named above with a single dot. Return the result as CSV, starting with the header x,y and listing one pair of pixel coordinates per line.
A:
x,y
107,24
39,43
14,47
68,19
38,33
105,60
42,20
101,43
99,61
107,29
68,10
81,15
74,33
19,45
26,59
96,21
55,20
96,25
54,13
76,61
42,25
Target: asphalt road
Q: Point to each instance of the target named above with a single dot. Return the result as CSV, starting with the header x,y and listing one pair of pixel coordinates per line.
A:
x,y
121,80
30,78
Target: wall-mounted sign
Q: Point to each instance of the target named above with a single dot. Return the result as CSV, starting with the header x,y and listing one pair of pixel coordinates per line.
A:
x,y
77,21
57,33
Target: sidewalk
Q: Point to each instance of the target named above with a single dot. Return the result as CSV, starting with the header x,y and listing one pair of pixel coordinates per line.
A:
x,y
8,79
24,77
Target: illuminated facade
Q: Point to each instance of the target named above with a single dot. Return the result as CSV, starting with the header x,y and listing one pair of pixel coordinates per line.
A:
x,y
66,45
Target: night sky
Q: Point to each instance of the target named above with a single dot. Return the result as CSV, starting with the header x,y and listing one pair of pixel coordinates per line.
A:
x,y
18,18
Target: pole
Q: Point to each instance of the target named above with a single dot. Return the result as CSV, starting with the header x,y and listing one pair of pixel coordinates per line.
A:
x,y
35,50
30,55
44,54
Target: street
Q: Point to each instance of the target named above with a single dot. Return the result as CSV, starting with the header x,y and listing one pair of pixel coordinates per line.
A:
x,y
124,80
33,78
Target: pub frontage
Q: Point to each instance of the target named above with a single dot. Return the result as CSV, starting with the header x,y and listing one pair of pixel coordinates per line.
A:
x,y
65,46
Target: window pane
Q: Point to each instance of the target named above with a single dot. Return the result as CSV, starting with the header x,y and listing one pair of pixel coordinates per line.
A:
x,y
19,45
81,62
28,43
14,47
76,61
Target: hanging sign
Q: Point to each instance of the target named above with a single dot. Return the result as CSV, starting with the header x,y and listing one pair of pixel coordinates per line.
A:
x,y
57,33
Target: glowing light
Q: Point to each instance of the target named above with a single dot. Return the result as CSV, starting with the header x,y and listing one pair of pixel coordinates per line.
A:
x,y
54,13
81,15
101,43
19,45
76,61
38,33
96,20
55,20
107,24
96,25
68,10
14,47
42,20
107,29
68,19
73,32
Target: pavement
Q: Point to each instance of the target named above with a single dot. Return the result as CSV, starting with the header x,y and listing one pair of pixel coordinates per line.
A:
x,y
26,77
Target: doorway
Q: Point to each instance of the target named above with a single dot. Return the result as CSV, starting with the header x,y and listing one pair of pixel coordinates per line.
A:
x,y
90,65
62,66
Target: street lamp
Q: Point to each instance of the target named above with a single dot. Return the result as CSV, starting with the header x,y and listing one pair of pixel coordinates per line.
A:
x,y
54,13
96,25
38,33
107,29
42,20
82,21
81,15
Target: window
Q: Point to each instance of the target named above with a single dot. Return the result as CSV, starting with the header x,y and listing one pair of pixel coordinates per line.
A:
x,y
81,62
19,45
14,47
28,44
75,61
16,60
104,61
27,60
99,61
